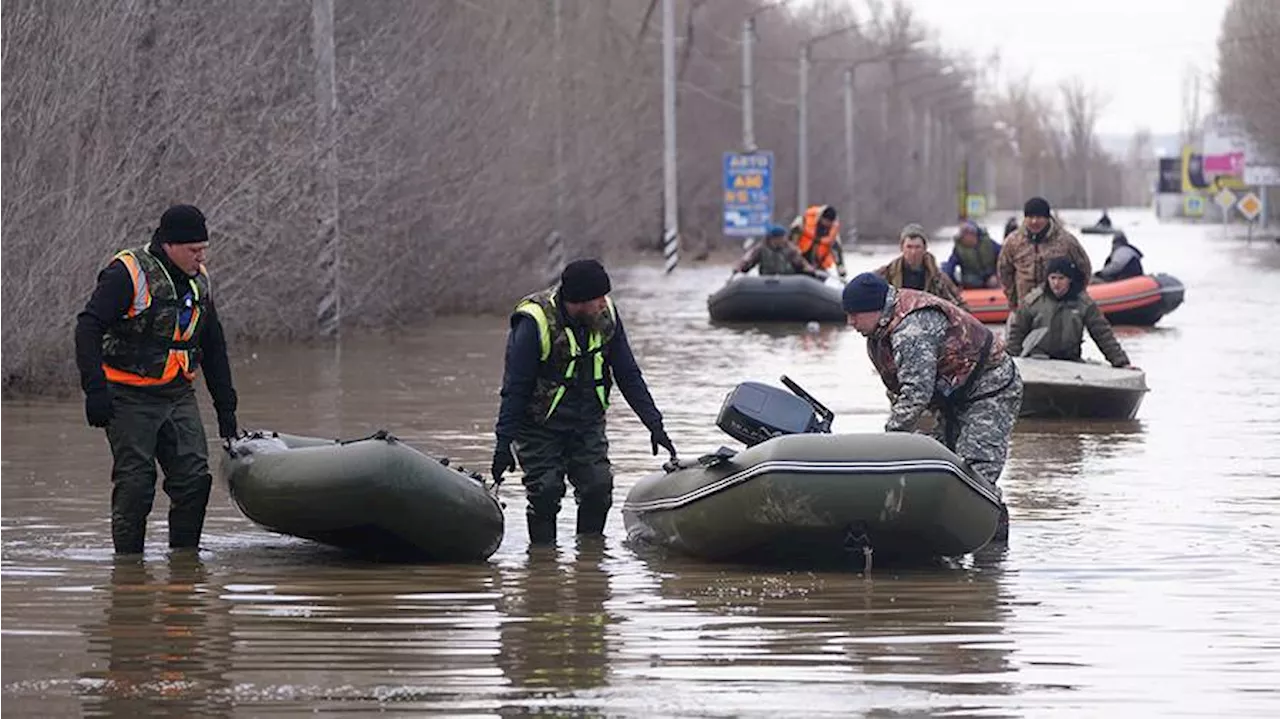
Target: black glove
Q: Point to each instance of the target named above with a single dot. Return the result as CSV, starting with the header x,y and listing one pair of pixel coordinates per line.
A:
x,y
658,438
503,460
97,407
227,425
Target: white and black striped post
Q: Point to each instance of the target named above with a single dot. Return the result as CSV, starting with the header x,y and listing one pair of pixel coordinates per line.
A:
x,y
329,309
670,230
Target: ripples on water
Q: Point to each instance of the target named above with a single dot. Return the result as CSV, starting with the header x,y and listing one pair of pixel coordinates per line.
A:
x,y
1142,575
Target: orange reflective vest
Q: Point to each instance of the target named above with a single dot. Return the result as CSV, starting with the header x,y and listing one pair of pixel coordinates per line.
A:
x,y
157,339
818,249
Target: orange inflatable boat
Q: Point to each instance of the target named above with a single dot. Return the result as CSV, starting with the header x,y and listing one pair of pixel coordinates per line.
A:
x,y
1135,301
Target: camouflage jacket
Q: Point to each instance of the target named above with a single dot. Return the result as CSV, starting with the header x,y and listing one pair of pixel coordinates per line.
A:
x,y
925,350
1064,322
935,283
1023,261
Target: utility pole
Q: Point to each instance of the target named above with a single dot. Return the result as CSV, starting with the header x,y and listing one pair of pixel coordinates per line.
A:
x,y
748,86
802,144
329,310
670,231
850,157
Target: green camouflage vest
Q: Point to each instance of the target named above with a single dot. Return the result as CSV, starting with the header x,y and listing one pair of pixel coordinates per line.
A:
x,y
775,262
560,352
141,341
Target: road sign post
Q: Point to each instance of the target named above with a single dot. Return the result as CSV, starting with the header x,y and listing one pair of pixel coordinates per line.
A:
x,y
748,193
1249,206
1225,199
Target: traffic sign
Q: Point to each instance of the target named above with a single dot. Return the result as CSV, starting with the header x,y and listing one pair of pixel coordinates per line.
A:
x,y
1249,206
748,193
1192,205
1225,199
975,205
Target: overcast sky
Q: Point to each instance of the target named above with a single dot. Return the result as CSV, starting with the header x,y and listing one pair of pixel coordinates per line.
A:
x,y
1134,51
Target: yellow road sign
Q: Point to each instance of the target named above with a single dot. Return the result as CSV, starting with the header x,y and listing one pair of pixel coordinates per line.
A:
x,y
1249,206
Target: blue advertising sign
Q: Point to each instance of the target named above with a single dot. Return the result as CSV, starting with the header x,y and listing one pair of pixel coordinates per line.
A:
x,y
748,193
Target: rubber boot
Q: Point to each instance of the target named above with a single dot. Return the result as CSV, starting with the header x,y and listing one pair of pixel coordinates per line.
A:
x,y
591,518
542,530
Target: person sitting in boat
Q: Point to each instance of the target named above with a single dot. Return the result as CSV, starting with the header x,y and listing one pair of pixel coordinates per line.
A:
x,y
1028,249
975,254
817,235
1051,322
566,347
931,355
1104,221
776,255
917,269
1125,261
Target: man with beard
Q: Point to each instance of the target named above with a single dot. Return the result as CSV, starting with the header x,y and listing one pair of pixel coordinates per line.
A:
x,y
933,356
149,326
564,351
1054,316
1027,251
917,269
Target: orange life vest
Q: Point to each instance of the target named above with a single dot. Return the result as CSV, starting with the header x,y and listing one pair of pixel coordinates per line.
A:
x,y
818,249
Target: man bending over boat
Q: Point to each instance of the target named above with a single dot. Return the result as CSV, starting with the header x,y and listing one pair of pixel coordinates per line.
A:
x,y
777,256
1052,320
934,356
565,349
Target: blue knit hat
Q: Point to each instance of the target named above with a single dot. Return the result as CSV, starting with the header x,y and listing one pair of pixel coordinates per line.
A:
x,y
865,293
777,231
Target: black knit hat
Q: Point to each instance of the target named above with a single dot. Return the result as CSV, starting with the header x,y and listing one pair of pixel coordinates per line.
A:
x,y
865,293
584,280
182,224
829,213
1036,207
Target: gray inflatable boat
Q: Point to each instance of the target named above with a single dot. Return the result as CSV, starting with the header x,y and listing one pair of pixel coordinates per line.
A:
x,y
799,495
374,496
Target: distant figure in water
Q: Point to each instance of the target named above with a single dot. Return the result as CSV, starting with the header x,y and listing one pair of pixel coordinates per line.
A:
x,y
1104,221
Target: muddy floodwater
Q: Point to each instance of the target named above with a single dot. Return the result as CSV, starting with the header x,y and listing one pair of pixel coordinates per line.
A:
x,y
1142,577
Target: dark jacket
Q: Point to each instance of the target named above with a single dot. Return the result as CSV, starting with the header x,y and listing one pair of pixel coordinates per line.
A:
x,y
580,405
1125,261
110,301
973,272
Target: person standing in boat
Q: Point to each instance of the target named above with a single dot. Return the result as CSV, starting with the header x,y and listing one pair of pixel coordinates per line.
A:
x,y
1026,252
1052,320
931,355
565,349
817,235
149,325
917,269
975,254
1125,261
777,256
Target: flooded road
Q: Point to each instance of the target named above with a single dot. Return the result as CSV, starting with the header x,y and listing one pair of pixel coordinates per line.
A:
x,y
1142,573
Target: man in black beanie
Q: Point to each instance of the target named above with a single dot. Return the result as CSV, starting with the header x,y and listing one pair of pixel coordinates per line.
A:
x,y
934,357
1028,249
564,351
148,327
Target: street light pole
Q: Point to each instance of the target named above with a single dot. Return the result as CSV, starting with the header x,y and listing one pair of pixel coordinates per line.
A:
x,y
850,150
748,86
802,149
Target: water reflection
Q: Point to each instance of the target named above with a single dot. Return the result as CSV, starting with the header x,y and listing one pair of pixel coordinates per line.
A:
x,y
555,639
164,642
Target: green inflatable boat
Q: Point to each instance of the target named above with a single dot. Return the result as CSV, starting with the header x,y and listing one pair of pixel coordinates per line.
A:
x,y
374,496
799,494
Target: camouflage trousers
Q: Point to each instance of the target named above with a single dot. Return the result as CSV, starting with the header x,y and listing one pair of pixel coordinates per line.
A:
x,y
548,455
979,431
148,428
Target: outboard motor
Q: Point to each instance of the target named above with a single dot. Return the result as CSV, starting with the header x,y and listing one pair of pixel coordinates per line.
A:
x,y
754,412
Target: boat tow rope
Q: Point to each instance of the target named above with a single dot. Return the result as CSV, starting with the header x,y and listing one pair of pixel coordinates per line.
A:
x,y
855,541
380,434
